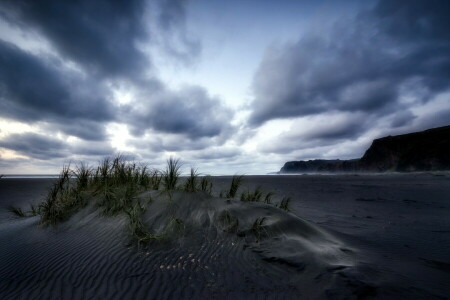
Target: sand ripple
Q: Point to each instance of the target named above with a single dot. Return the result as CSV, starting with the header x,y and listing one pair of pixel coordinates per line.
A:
x,y
92,257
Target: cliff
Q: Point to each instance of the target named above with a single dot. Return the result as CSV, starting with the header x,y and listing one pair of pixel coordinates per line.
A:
x,y
427,150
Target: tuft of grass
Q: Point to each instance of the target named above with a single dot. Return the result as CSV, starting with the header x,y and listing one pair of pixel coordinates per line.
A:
x,y
171,174
113,201
258,227
155,179
34,211
191,182
17,211
102,173
230,222
254,196
82,175
117,199
284,203
175,226
137,228
114,186
236,182
206,184
143,177
115,183
58,204
268,198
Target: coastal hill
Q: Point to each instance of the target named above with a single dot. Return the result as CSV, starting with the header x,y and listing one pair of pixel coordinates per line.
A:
x,y
427,150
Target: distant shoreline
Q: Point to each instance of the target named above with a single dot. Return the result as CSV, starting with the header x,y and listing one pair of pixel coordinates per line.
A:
x,y
272,174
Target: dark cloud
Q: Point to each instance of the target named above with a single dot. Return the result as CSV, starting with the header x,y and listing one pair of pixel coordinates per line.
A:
x,y
402,118
157,143
105,37
45,147
328,128
101,149
35,145
172,13
11,163
84,129
99,35
358,66
189,111
176,41
214,153
35,89
171,142
414,20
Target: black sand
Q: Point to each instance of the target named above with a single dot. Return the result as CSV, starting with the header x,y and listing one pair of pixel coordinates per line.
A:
x,y
368,236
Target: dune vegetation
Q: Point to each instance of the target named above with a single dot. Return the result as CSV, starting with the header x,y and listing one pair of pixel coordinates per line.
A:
x,y
116,186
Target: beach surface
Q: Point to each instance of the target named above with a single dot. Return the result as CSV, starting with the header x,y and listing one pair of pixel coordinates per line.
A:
x,y
345,237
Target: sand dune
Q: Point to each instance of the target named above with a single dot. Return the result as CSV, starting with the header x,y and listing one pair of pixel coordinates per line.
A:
x,y
330,254
91,256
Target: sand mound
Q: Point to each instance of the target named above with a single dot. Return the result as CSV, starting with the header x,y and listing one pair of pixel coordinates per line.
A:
x,y
207,247
273,233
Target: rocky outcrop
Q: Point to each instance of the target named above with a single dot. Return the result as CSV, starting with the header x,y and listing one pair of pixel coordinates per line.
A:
x,y
427,150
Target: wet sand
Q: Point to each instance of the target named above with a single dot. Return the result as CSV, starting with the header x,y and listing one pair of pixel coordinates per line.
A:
x,y
365,236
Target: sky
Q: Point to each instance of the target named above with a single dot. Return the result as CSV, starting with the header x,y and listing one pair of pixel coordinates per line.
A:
x,y
229,87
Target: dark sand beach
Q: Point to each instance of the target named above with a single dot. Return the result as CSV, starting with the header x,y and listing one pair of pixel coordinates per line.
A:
x,y
108,107
346,237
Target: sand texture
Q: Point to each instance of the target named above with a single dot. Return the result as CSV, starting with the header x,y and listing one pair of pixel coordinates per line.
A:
x,y
346,237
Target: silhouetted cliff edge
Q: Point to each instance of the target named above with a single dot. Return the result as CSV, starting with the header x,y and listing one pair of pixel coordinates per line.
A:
x,y
427,150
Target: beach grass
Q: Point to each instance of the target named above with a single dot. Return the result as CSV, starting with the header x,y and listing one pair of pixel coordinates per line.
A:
x,y
206,185
229,222
155,179
34,211
191,182
17,211
257,228
138,230
171,174
268,197
82,174
115,187
236,182
254,196
284,203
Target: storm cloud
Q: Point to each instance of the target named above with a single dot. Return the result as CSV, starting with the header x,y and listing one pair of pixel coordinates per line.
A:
x,y
34,89
102,39
363,65
190,111
175,39
46,147
101,36
35,145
